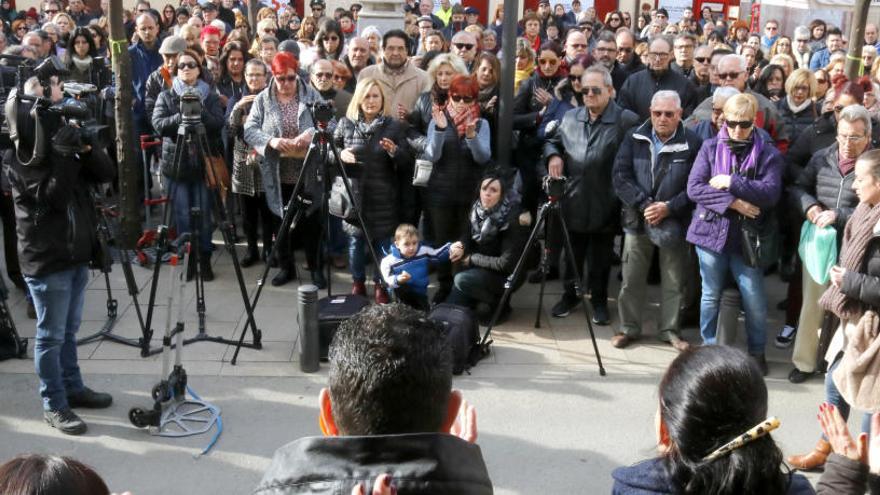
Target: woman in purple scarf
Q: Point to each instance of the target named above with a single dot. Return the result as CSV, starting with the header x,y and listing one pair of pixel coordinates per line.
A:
x,y
735,180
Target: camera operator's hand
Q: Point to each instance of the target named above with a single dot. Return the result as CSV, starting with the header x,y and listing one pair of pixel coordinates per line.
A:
x,y
439,117
656,212
67,141
347,156
554,166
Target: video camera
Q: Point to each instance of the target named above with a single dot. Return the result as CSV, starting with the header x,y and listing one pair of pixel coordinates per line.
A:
x,y
190,108
322,112
554,187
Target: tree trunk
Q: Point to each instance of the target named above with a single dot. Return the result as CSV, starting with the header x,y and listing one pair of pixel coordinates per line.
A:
x,y
129,175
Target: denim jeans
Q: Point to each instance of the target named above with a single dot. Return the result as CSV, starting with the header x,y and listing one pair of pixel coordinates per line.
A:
x,y
188,195
832,396
58,299
714,270
477,285
359,255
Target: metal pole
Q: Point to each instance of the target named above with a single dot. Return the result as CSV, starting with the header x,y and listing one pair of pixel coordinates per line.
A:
x,y
505,97
309,333
853,67
130,217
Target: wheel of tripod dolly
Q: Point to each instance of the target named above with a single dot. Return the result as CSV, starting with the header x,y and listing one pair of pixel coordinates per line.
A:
x,y
138,417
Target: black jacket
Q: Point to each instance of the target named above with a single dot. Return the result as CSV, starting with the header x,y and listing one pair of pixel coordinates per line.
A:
x,y
380,177
422,464
795,123
821,183
501,253
650,477
821,134
55,216
420,115
634,65
590,204
525,106
640,87
639,181
156,83
167,121
844,476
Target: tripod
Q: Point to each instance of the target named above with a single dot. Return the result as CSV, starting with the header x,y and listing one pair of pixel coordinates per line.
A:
x,y
553,206
192,133
106,241
315,167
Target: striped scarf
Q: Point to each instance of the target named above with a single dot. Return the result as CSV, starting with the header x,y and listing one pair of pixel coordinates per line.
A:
x,y
858,232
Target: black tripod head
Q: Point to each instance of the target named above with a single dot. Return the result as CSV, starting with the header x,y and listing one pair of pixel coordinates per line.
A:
x,y
554,187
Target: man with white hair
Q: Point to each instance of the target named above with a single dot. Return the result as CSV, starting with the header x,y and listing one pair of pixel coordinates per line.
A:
x,y
731,72
801,46
650,178
465,45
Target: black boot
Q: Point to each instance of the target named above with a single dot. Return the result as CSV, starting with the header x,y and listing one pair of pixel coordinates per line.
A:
x,y
285,274
205,265
252,256
318,279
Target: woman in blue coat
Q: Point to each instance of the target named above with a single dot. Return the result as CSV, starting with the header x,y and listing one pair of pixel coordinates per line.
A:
x,y
735,182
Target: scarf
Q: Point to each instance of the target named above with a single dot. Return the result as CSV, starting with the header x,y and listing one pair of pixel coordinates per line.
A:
x,y
181,87
487,223
82,64
461,117
796,109
846,165
731,151
858,232
366,130
522,75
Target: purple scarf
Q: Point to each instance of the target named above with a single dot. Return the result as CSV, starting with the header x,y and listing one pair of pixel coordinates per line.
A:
x,y
725,158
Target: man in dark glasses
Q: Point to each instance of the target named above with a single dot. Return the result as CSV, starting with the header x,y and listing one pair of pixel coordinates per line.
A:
x,y
732,72
702,70
318,8
626,55
582,147
650,178
464,44
321,78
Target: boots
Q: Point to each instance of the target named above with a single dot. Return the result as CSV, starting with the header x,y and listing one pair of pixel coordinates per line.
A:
x,y
284,275
814,459
318,279
205,265
252,256
380,295
358,287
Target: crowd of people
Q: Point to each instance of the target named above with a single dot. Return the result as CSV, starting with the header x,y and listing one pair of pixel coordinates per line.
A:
x,y
695,152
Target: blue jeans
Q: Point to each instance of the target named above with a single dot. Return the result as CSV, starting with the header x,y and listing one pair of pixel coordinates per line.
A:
x,y
358,255
58,299
832,396
187,195
714,270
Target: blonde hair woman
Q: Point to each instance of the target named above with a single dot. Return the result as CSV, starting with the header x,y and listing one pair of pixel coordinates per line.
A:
x,y
373,148
525,63
799,108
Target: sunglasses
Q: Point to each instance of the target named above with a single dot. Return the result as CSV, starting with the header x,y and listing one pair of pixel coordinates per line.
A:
x,y
340,78
324,75
742,124
187,65
595,90
663,113
730,76
461,98
285,79
463,46
821,81
703,60
574,78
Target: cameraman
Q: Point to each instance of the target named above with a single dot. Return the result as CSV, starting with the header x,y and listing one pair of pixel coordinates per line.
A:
x,y
56,226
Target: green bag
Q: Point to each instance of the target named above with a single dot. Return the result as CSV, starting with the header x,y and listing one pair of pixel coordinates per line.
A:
x,y
818,250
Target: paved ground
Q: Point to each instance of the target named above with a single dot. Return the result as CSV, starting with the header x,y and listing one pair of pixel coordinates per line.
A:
x,y
548,422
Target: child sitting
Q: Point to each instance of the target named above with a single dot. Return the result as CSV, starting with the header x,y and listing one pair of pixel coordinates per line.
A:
x,y
405,268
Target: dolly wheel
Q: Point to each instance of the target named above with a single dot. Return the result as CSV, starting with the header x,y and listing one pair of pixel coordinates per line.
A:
x,y
138,417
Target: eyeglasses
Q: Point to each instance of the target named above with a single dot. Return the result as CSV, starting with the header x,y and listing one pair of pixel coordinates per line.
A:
x,y
252,75
548,61
187,65
577,45
741,124
730,76
771,28
285,79
463,46
574,78
658,55
324,75
269,30
802,88
703,60
849,139
22,28
461,98
595,90
803,41
717,111
662,113
51,12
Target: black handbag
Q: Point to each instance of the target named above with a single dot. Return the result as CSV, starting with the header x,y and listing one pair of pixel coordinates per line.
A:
x,y
760,237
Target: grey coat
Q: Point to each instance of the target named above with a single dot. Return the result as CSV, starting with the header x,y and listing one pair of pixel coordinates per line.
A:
x,y
263,124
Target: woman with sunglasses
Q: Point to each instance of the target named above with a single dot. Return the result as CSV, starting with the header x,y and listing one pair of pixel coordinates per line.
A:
x,y
458,144
186,182
613,21
374,152
17,31
329,43
280,128
266,27
735,182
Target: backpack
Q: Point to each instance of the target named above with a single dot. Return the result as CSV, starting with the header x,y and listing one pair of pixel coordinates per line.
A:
x,y
462,333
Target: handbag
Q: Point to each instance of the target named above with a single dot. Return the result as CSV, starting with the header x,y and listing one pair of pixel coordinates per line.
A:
x,y
341,204
759,237
422,172
217,174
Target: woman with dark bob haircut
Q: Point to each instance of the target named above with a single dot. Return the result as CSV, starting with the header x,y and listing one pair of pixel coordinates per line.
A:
x,y
709,396
33,474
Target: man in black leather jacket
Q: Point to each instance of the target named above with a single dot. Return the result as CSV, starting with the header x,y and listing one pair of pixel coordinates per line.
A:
x,y
56,225
389,408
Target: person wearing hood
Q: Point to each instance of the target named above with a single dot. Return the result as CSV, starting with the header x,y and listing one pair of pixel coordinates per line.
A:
x,y
186,181
639,88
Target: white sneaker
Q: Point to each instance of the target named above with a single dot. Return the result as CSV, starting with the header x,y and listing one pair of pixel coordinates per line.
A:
x,y
785,337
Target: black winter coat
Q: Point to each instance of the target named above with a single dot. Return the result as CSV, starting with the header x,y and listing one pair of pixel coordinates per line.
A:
x,y
166,121
795,123
821,134
821,183
55,216
500,254
590,205
420,116
378,175
844,476
639,88
526,106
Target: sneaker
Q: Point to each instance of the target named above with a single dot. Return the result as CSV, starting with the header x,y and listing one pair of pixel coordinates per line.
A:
x,y
89,399
798,376
66,421
600,315
563,308
785,337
